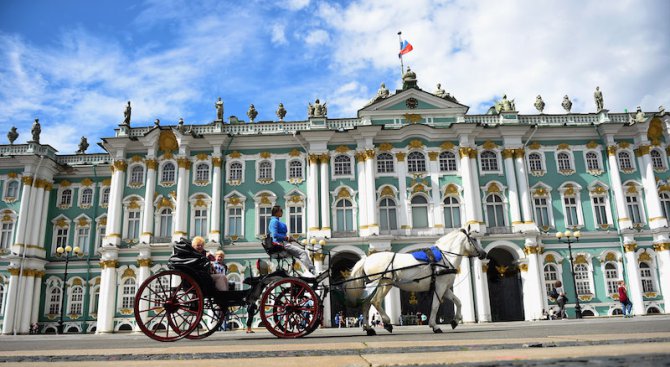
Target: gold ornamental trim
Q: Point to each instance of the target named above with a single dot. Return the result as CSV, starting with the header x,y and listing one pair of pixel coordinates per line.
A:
x,y
12,175
623,144
473,154
535,145
385,147
644,149
523,267
61,222
14,271
433,155
563,146
27,180
120,165
580,259
592,144
128,273
611,150
294,153
360,157
107,182
296,199
653,219
370,154
184,163
114,235
489,145
451,190
485,268
265,155
87,182
343,193
519,153
531,250
447,145
324,158
235,200
83,222
167,141
400,156
664,246
412,118
415,144
507,153
202,156
598,190
630,247
387,191
313,158
540,192
549,259
235,154
319,256
109,264
644,257
64,183
464,152
342,149
216,161
493,188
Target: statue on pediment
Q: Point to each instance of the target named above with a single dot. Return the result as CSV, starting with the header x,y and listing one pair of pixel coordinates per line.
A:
x,y
317,109
439,91
180,126
566,104
12,135
639,115
36,130
661,110
126,115
505,105
539,104
382,93
219,109
598,97
281,112
83,145
252,113
409,79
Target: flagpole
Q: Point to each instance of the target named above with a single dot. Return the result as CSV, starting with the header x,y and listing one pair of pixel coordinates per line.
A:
x,y
402,67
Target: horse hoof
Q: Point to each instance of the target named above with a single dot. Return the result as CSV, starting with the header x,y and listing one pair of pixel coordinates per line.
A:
x,y
437,331
389,327
454,323
371,332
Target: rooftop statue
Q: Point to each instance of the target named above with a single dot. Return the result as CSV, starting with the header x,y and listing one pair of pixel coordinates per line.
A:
x,y
83,145
126,115
639,115
317,110
180,126
409,79
219,109
598,97
567,104
252,113
505,105
12,135
310,110
439,91
157,122
382,93
539,104
661,110
36,130
281,112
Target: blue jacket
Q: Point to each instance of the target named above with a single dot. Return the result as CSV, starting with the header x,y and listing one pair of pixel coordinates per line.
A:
x,y
277,230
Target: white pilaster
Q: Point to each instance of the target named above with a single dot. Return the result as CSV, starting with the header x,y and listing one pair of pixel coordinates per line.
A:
x,y
26,304
144,271
35,205
533,291
325,198
11,303
663,261
482,289
312,195
524,191
181,228
463,290
634,282
41,239
107,302
150,189
656,217
24,208
371,202
363,229
215,223
617,188
512,191
438,213
114,210
402,192
470,187
37,290
474,172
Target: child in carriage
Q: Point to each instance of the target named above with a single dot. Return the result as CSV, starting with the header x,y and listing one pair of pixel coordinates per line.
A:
x,y
218,271
278,231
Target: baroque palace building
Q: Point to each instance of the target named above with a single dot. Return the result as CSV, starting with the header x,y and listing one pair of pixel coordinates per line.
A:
x,y
409,168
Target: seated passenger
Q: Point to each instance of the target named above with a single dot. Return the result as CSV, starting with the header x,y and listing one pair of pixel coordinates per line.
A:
x,y
278,231
220,271
220,280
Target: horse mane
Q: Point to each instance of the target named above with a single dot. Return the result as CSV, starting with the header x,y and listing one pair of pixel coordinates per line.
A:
x,y
451,236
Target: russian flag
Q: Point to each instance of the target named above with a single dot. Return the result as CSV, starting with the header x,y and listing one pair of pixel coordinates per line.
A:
x,y
405,47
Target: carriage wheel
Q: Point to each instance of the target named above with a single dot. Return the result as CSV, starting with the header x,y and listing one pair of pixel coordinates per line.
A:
x,y
168,306
213,316
286,309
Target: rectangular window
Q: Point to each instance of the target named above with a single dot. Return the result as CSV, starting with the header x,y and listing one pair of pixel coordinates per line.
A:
x,y
200,222
633,206
264,215
82,237
295,219
452,217
6,235
541,212
61,237
101,235
235,222
600,209
571,218
133,225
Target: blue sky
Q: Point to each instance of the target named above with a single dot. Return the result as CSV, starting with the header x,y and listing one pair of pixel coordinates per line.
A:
x,y
75,63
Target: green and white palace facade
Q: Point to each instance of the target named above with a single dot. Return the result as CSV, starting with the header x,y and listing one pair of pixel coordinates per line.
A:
x,y
409,168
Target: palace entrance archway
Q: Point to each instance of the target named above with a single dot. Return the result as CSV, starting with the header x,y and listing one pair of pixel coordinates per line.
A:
x,y
505,288
341,265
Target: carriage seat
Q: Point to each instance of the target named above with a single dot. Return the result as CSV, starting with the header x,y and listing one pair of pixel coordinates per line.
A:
x,y
275,252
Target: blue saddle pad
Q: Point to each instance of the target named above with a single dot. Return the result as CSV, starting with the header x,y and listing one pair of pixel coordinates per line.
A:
x,y
421,255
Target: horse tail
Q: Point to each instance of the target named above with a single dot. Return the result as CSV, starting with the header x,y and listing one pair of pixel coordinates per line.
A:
x,y
355,284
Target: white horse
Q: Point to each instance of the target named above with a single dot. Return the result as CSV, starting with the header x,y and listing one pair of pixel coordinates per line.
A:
x,y
373,277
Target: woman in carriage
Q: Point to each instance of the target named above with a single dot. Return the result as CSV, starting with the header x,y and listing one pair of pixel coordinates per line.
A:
x,y
278,231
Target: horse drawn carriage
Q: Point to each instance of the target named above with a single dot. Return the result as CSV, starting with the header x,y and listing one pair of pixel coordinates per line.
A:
x,y
183,302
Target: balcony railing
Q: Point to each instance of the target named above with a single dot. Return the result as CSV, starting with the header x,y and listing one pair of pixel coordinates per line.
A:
x,y
499,230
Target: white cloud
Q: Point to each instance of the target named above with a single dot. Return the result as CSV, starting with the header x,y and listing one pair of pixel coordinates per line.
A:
x,y
278,33
294,4
317,37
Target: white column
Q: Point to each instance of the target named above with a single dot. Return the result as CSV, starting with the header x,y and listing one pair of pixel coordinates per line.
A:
x,y
481,281
362,195
215,222
180,227
474,172
114,211
26,305
463,290
392,305
107,301
143,273
402,192
11,303
325,197
438,213
43,221
37,290
524,191
470,189
24,207
663,261
533,292
371,202
515,213
35,205
150,189
617,188
634,282
312,195
656,217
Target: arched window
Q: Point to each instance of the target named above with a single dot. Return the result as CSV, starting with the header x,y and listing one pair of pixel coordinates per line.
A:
x,y
165,223
202,172
489,161
200,222
265,170
295,169
12,190
611,278
550,277
657,159
385,163
419,212
592,161
128,295
87,197
54,301
495,209
535,162
76,300
416,162
387,215
168,174
564,163
342,165
452,212
625,163
66,197
344,215
104,199
665,204
447,161
582,279
137,175
646,278
235,173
